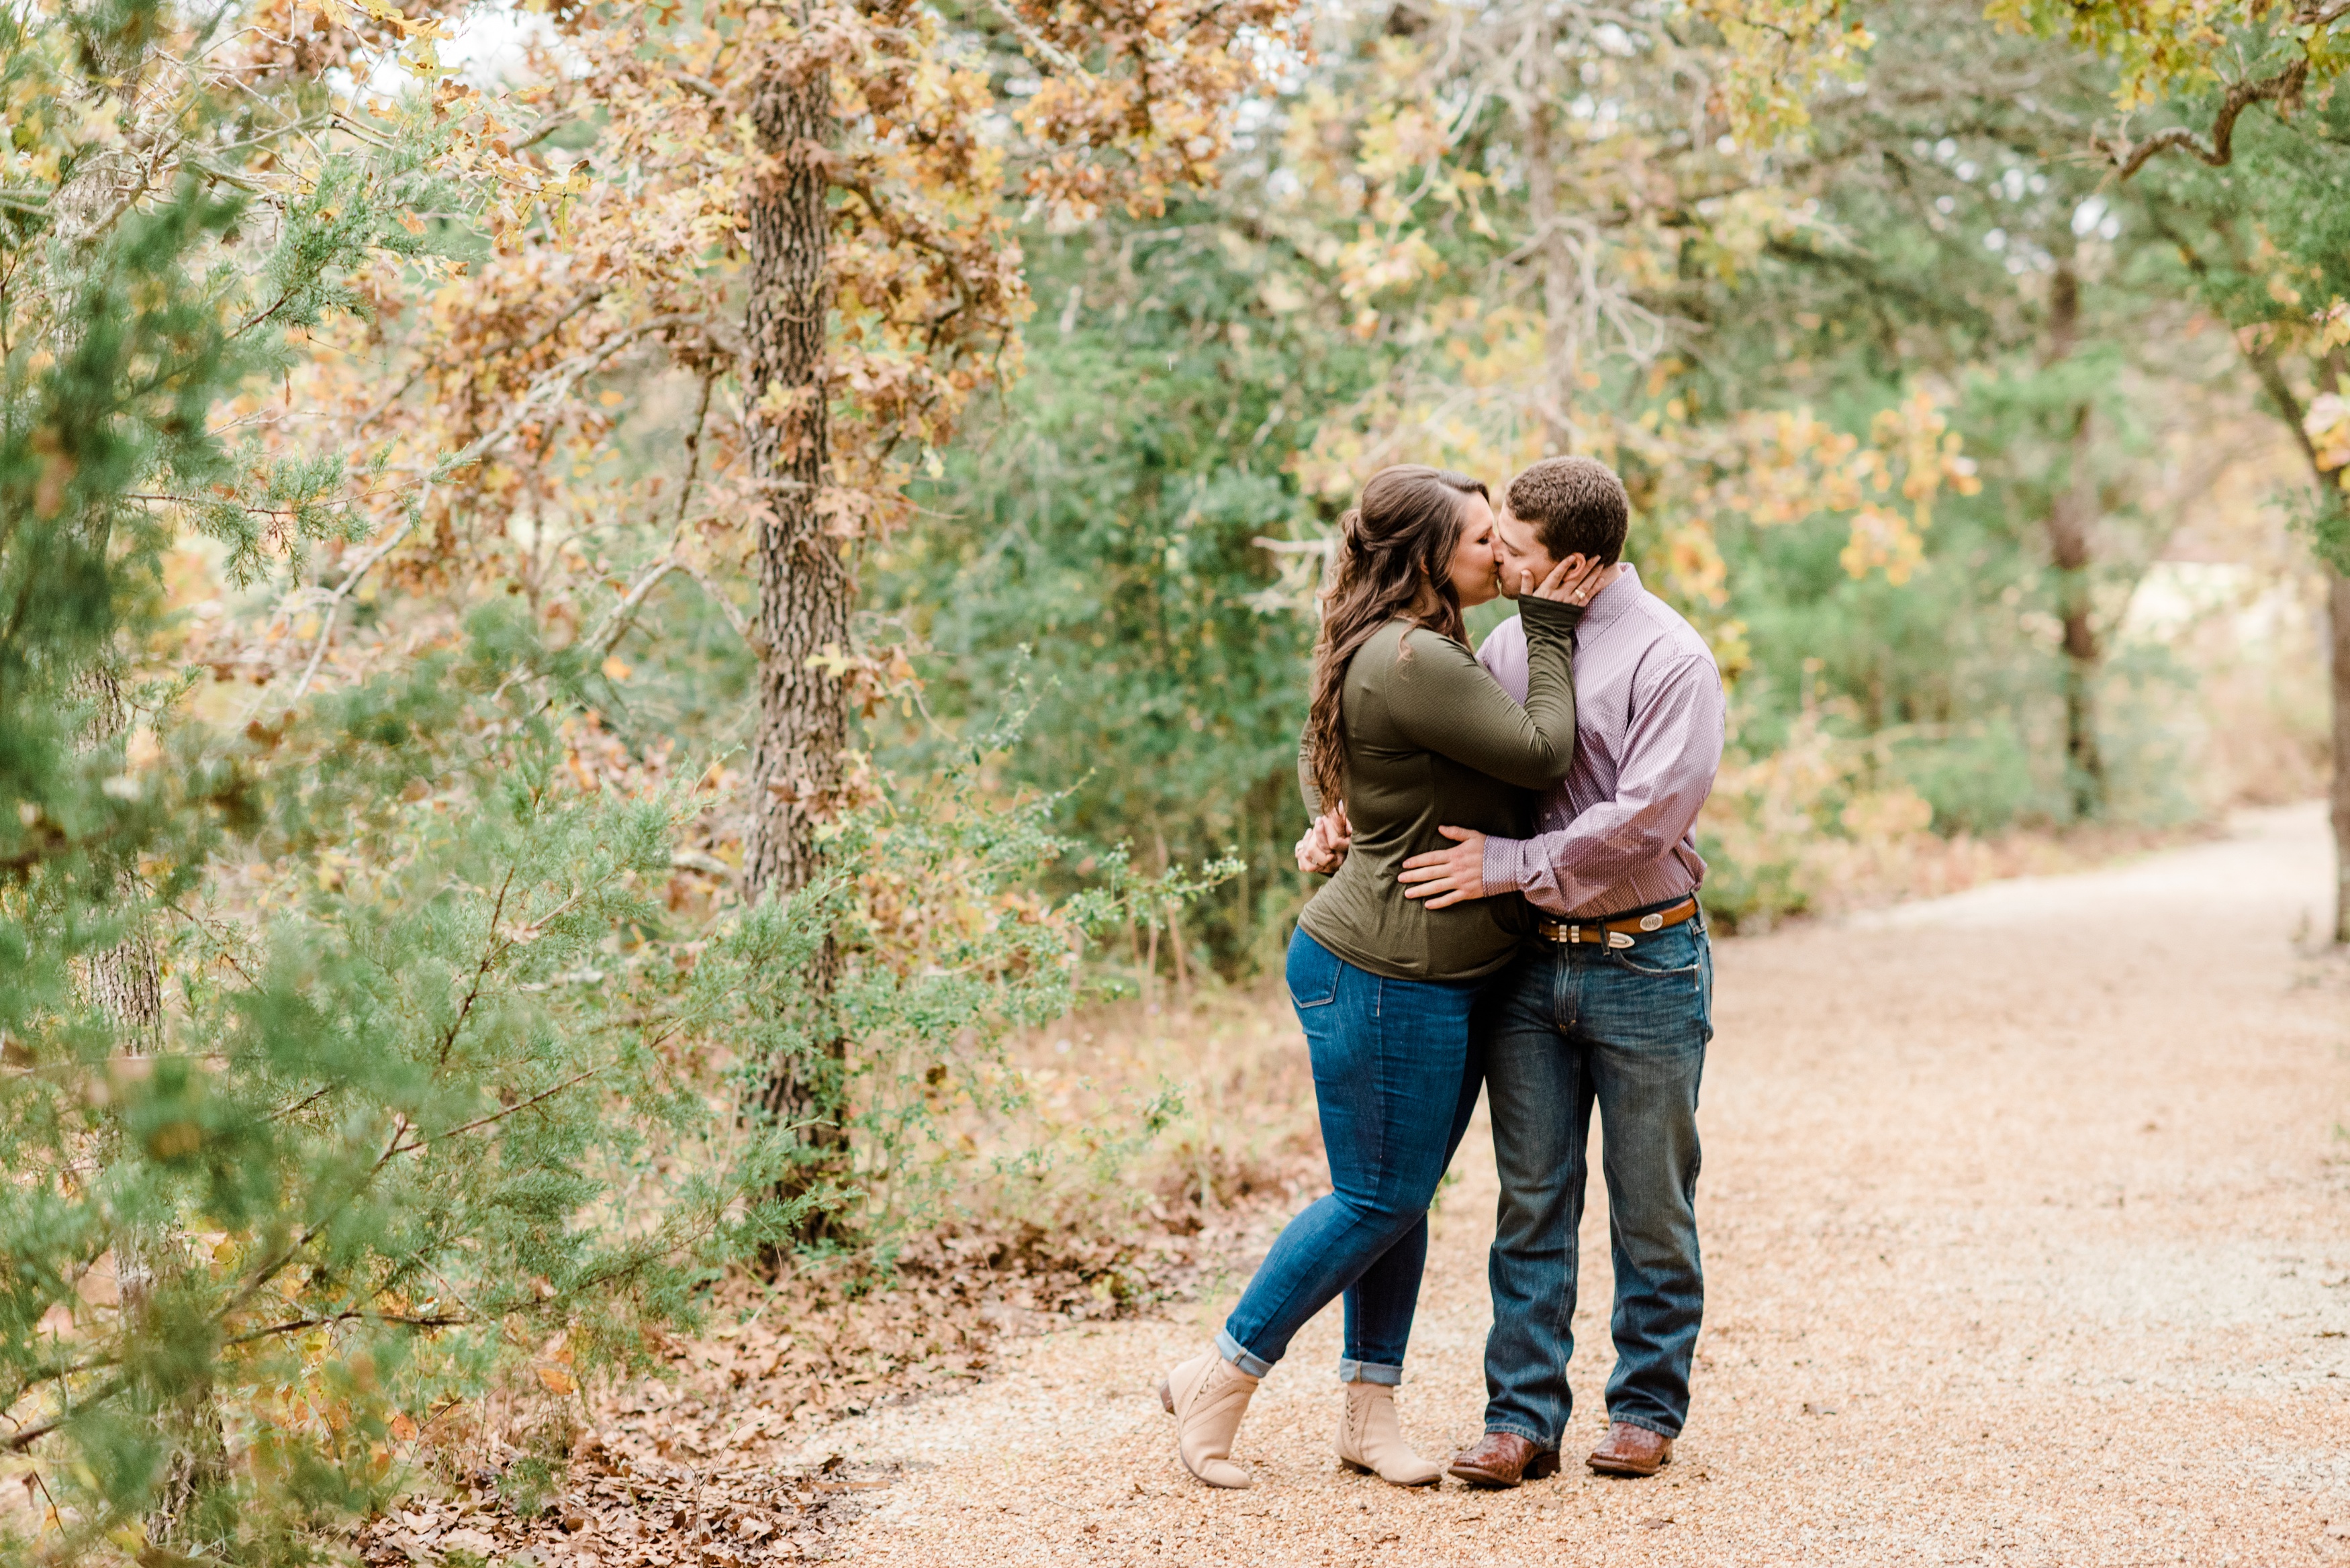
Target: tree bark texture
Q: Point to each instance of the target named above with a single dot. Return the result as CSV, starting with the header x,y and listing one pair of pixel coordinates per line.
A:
x,y
2072,512
806,588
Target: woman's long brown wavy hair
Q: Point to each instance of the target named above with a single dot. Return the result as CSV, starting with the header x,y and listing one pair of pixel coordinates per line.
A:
x,y
1394,560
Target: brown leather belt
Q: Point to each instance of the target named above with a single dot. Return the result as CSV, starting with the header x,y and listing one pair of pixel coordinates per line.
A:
x,y
1620,933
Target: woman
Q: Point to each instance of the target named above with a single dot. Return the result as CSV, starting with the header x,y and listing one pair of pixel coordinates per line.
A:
x,y
1408,732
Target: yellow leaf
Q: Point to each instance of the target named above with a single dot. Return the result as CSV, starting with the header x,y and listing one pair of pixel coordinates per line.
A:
x,y
388,15
558,1379
616,668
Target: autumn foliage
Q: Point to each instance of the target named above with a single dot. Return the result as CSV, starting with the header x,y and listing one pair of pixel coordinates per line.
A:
x,y
600,604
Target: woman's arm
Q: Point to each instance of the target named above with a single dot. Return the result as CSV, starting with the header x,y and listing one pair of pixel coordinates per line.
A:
x,y
1443,700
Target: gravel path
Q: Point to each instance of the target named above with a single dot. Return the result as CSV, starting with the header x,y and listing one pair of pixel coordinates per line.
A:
x,y
2027,1229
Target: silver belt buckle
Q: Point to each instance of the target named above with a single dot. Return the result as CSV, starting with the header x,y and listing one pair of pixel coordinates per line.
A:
x,y
1652,922
1618,940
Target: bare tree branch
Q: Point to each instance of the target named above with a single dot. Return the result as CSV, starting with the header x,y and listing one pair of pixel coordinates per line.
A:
x,y
2282,89
1059,58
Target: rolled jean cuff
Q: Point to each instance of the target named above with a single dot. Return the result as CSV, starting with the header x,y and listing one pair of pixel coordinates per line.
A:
x,y
1369,1372
1239,1355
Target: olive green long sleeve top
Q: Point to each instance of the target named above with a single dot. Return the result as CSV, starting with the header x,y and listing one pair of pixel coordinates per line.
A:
x,y
1433,740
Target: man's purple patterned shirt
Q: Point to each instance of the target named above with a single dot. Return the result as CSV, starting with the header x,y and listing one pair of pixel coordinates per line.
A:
x,y
1648,738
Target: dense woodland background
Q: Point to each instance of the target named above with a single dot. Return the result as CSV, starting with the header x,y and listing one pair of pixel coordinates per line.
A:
x,y
605,611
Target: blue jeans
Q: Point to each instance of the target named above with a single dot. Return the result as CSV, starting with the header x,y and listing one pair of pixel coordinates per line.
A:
x,y
1566,1029
1394,1079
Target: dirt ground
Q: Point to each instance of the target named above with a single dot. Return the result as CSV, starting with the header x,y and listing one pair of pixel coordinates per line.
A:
x,y
2027,1227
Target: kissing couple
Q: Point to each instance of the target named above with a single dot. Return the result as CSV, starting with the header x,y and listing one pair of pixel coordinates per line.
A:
x,y
1514,905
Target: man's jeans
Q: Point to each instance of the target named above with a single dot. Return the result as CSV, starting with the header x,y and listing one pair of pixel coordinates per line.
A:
x,y
1396,1081
1565,1028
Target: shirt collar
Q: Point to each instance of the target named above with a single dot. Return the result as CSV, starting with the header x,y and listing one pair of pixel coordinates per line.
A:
x,y
1612,601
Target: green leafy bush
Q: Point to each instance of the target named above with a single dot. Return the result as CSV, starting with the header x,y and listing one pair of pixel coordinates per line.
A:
x,y
443,1085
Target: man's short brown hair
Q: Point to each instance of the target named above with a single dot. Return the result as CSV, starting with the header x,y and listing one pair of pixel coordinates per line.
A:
x,y
1576,505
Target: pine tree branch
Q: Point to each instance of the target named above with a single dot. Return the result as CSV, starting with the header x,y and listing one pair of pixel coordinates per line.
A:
x,y
503,1114
400,1318
193,501
490,955
100,1362
34,1380
303,1104
19,1441
252,1287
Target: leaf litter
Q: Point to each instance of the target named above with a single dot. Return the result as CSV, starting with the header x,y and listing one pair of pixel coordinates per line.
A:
x,y
694,1465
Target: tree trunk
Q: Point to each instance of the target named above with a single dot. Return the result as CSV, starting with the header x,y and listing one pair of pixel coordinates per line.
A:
x,y
2071,514
125,984
2069,518
1559,281
806,588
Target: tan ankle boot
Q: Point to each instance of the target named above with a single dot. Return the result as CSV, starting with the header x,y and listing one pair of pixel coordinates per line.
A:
x,y
1370,1439
1207,1396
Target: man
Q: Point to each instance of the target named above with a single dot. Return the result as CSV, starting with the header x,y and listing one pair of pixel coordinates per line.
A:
x,y
1611,1006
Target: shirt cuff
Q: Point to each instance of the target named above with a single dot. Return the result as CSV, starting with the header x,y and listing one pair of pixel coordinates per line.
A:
x,y
1500,871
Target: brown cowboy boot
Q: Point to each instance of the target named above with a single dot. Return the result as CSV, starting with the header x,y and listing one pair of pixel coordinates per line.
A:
x,y
1630,1450
1505,1459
